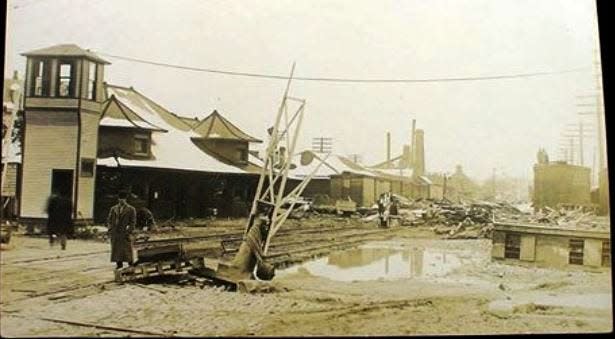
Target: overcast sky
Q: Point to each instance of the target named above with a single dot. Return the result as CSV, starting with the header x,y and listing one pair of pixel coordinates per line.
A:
x,y
479,124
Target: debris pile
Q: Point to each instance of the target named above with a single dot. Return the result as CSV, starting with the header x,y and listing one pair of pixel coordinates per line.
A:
x,y
463,220
573,218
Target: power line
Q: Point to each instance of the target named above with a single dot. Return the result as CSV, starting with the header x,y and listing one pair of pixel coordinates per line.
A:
x,y
341,80
26,4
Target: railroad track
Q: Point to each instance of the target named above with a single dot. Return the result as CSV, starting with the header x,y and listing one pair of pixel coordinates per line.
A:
x,y
54,258
285,250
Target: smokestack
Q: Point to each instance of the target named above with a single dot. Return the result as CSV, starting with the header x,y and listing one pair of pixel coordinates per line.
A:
x,y
406,157
388,149
411,157
419,153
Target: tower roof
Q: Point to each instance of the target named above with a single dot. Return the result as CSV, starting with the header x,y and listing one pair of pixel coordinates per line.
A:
x,y
66,50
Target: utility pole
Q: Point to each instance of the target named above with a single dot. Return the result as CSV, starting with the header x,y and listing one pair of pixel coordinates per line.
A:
x,y
322,145
579,133
356,158
571,151
388,149
581,142
598,112
493,184
593,179
567,145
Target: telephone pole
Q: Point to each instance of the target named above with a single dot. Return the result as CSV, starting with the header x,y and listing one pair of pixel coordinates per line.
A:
x,y
322,145
580,133
356,158
493,184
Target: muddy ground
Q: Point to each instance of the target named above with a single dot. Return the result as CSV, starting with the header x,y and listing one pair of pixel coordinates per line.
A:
x,y
49,292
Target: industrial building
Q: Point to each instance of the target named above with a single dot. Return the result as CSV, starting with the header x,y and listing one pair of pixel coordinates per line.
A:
x,y
557,183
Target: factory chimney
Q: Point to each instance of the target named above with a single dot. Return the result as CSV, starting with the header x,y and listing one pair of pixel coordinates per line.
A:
x,y
419,153
406,157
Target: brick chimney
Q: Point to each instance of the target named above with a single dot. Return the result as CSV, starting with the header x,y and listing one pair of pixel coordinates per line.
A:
x,y
419,153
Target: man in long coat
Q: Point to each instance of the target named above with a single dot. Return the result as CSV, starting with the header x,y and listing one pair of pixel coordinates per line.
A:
x,y
121,223
59,221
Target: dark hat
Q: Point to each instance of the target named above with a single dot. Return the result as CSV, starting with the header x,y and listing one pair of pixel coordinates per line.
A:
x,y
122,194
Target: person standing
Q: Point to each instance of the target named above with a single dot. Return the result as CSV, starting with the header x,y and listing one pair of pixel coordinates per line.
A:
x,y
59,221
121,223
145,219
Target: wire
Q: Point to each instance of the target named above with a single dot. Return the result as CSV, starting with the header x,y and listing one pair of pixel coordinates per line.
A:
x,y
26,4
341,80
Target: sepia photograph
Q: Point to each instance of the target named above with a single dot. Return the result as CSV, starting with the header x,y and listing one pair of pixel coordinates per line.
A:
x,y
224,168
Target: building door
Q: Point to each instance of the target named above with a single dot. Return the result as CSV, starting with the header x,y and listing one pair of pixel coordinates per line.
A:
x,y
62,182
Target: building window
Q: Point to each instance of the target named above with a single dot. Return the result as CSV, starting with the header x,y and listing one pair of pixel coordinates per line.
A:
x,y
512,246
66,83
243,154
92,81
41,73
141,144
575,256
87,167
606,253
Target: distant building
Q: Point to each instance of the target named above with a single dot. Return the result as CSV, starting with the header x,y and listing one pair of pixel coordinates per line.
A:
x,y
558,183
341,178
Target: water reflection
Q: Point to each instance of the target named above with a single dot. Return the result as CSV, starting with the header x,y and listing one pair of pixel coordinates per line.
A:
x,y
380,262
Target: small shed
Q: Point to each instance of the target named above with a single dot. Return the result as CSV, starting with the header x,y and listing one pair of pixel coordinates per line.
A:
x,y
552,245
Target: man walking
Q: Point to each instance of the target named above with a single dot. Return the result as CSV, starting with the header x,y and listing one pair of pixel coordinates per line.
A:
x,y
121,223
59,221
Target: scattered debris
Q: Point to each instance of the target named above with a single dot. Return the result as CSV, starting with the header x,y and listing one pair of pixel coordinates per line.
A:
x,y
258,286
345,207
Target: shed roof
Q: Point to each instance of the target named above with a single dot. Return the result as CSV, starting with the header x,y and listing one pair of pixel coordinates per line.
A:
x,y
307,161
68,50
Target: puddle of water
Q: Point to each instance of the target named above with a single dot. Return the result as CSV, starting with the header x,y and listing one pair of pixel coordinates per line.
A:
x,y
386,261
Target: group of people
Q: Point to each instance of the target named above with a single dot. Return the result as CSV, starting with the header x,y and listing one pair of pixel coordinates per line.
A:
x,y
123,219
388,205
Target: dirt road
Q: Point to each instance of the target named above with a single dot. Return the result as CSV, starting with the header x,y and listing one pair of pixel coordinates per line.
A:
x,y
49,292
